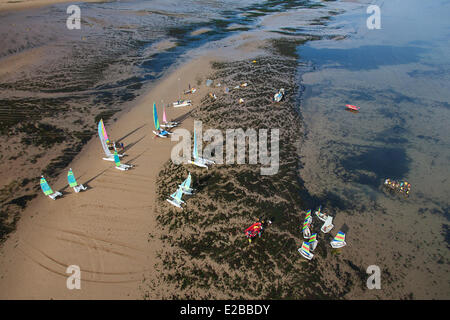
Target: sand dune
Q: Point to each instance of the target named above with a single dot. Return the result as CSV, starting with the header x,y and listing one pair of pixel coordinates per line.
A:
x,y
104,230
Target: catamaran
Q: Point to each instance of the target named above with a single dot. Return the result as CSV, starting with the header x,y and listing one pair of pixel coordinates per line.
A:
x,y
105,141
338,241
198,161
279,95
186,185
182,103
305,250
351,107
176,198
167,124
120,166
73,182
160,132
48,191
305,230
313,241
328,225
321,215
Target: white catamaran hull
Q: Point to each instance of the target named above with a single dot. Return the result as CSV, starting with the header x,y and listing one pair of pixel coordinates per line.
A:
x,y
338,244
160,135
175,203
307,255
178,104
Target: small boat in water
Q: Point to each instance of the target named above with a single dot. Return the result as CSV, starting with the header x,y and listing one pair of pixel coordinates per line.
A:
x,y
279,95
351,107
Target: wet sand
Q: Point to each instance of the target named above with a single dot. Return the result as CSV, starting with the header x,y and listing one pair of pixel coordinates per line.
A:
x,y
104,230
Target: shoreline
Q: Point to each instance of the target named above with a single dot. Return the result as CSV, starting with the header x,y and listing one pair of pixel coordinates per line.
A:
x,y
105,229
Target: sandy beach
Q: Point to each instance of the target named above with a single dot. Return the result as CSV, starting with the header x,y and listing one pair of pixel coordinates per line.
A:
x,y
56,84
104,230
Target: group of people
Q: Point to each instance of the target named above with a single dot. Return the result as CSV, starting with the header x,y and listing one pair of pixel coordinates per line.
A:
x,y
257,228
116,146
399,186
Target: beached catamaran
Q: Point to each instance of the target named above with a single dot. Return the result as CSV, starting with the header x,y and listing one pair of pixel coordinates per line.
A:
x,y
305,250
198,161
182,103
305,230
73,182
159,132
339,240
328,225
176,198
105,141
186,185
321,215
48,191
120,166
167,124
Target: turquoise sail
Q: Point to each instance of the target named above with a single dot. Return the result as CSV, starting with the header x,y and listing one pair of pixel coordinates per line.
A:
x,y
71,179
45,187
155,117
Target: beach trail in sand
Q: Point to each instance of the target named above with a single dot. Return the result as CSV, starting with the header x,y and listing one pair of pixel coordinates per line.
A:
x,y
109,231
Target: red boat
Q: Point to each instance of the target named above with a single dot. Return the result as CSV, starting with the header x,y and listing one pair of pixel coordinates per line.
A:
x,y
349,106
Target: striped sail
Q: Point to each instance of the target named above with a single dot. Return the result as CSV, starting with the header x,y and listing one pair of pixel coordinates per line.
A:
x,y
340,237
313,238
305,225
308,215
155,117
45,187
103,138
71,179
116,159
305,247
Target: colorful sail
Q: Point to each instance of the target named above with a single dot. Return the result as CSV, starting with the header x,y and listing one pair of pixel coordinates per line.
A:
x,y
45,187
155,117
194,151
305,225
103,130
103,138
305,247
71,179
116,159
340,237
308,215
164,115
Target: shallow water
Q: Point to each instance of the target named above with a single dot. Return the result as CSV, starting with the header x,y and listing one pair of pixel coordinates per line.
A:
x,y
398,76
